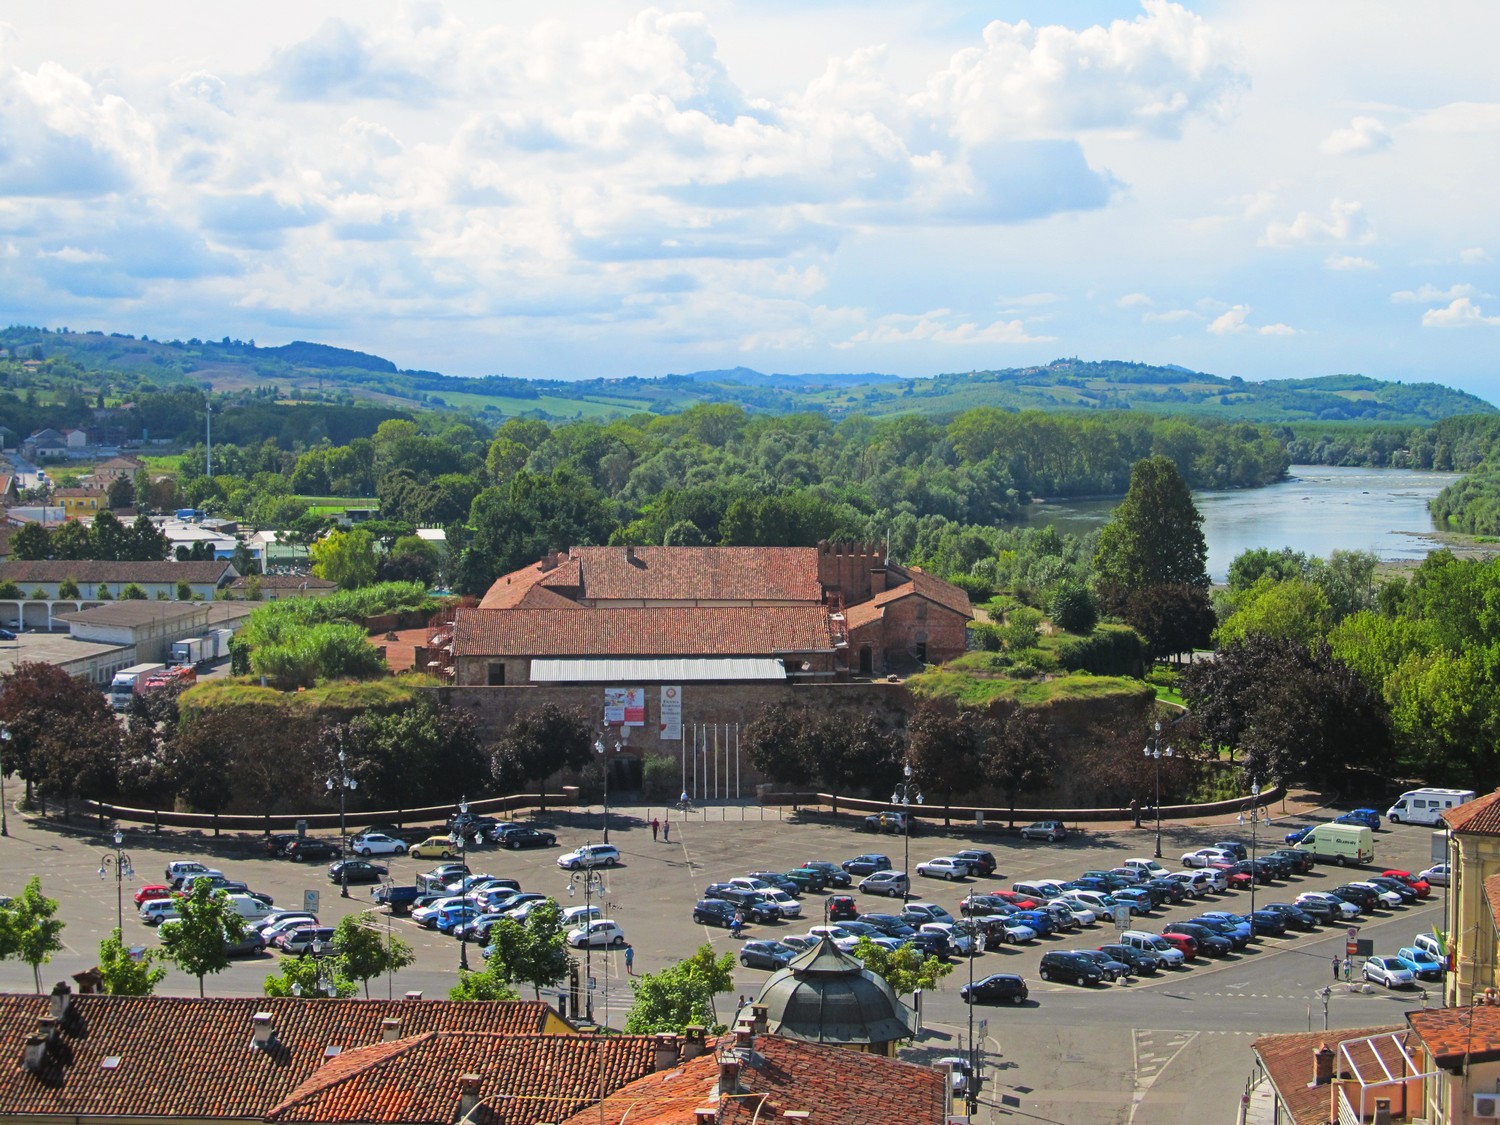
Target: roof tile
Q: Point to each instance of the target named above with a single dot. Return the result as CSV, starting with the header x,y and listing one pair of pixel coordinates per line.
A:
x,y
711,573
1288,1061
1452,1034
1479,817
662,631
97,570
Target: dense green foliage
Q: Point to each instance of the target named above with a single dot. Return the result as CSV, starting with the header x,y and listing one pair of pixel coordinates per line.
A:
x,y
196,940
125,975
681,995
286,639
1107,650
29,930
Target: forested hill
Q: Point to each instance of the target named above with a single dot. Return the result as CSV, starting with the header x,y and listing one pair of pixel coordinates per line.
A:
x,y
116,364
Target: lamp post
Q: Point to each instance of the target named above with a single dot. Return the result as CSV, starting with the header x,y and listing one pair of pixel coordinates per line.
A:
x,y
463,860
324,985
120,863
1254,868
1156,751
591,881
343,783
601,747
905,793
4,769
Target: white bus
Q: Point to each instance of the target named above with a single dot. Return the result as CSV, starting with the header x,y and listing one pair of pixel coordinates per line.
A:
x,y
1425,806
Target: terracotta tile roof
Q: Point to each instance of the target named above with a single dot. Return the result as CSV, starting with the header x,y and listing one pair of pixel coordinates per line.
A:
x,y
943,593
836,1086
1450,1034
507,591
524,1079
95,570
190,1057
717,573
666,631
1479,817
1288,1061
858,616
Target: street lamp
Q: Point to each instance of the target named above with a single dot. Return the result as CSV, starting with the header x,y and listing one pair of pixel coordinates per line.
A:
x,y
1155,750
601,748
591,881
324,986
460,826
4,768
905,793
343,783
1254,868
120,863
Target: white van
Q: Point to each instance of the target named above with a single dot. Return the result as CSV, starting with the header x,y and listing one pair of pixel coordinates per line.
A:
x,y
1148,868
249,908
1339,843
1167,954
1426,806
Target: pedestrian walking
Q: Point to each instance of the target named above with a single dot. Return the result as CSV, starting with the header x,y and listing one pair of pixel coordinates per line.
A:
x,y
630,960
1335,966
655,828
1348,968
666,831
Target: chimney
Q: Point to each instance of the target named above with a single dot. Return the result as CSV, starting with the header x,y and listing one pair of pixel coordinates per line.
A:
x,y
706,1115
629,553
46,1027
415,994
35,1052
1322,1065
62,1000
390,1030
667,1051
1382,1114
468,1094
744,1037
262,1031
759,1021
692,1041
729,1075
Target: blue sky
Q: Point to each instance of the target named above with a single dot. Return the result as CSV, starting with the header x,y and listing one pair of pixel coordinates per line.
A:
x,y
1263,189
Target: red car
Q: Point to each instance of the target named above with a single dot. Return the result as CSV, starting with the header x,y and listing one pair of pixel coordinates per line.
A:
x,y
1183,942
154,890
1415,882
1238,880
1019,901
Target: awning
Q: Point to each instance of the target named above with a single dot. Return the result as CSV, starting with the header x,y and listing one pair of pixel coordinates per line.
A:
x,y
666,670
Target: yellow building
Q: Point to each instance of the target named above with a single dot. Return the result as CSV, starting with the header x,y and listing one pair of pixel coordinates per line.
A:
x,y
80,503
1473,897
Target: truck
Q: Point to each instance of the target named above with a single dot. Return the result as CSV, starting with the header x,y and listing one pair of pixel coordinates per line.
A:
x,y
1426,806
184,674
189,651
129,681
221,639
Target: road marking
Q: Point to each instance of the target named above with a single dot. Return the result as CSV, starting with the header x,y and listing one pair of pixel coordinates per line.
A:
x,y
1153,1052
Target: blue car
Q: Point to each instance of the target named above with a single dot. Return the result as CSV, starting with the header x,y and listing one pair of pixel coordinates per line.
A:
x,y
1367,817
1424,965
1039,920
1298,835
449,917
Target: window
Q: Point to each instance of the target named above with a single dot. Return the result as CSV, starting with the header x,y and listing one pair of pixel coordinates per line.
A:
x,y
921,610
496,676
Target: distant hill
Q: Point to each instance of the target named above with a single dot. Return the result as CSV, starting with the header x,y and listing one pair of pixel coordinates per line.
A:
x,y
313,372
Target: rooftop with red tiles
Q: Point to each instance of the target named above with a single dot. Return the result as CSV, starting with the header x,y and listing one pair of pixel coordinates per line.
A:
x,y
1479,817
1453,1035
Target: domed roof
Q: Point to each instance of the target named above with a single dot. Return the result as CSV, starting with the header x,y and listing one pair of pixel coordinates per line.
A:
x,y
826,996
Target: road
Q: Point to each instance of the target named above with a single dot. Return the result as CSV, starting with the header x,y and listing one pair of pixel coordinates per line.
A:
x,y
1173,1049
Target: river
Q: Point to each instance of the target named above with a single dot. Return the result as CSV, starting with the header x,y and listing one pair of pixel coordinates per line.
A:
x,y
1315,510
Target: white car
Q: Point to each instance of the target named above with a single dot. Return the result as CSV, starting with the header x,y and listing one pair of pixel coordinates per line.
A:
x,y
959,940
1384,897
944,867
377,843
1388,971
180,867
590,855
1436,876
286,922
602,931
1345,910
1197,883
575,916
1101,905
749,883
1204,856
842,938
1149,868
1084,914
789,907
423,914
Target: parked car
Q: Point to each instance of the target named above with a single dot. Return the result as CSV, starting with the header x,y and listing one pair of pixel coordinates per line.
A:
x,y
600,932
1404,891
1202,857
915,913
1062,917
754,905
807,880
277,845
789,907
997,988
450,918
1436,875
277,924
841,938
944,867
1112,968
356,871
306,939
1296,917
841,908
978,905
931,944
1038,920
1051,831
1233,926
889,924
590,855
766,954
1327,907
892,883
1255,869
1139,898
187,881
1388,971
867,864
962,936
1069,966
1082,914
524,836
900,823
250,944
999,930
1302,862
714,912
1195,883
836,875
1418,884
1237,848
1171,891
309,850
1423,965
377,843
1039,889
1208,941
1297,835
1184,943
1365,898
1167,955
151,891
778,880
1268,922
179,868
1370,818
434,847
980,862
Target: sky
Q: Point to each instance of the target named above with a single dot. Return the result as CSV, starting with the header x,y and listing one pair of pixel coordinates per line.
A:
x,y
1264,188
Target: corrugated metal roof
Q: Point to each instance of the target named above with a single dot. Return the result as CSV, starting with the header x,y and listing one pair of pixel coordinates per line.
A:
x,y
670,670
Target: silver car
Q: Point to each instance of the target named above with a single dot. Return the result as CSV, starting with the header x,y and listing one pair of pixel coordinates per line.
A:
x,y
893,883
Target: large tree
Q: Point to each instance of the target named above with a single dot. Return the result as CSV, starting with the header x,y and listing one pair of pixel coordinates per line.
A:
x,y
943,751
64,739
197,940
345,557
1154,538
1018,755
28,929
539,743
680,995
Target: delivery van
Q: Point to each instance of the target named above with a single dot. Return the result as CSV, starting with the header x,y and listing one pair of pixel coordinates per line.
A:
x,y
1426,806
1339,844
248,907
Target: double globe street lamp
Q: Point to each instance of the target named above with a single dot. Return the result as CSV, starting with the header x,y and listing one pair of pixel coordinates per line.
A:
x,y
601,747
344,784
120,863
1156,751
905,793
592,883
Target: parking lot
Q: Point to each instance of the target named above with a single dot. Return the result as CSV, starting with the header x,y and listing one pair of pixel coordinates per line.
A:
x,y
652,892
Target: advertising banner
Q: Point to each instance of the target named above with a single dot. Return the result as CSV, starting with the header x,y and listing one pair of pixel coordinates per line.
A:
x,y
625,706
671,714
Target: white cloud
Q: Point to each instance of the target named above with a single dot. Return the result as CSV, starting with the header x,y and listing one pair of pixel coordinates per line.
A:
x,y
1345,221
1277,330
1427,294
1170,316
940,326
1230,322
73,255
1362,136
1348,262
1459,314
1134,301
1474,256
1462,117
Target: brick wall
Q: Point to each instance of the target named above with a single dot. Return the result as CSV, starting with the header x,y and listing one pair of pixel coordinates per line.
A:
x,y
911,621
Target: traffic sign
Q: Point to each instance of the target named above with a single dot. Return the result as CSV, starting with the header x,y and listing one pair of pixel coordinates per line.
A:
x,y
1352,932
1351,948
310,902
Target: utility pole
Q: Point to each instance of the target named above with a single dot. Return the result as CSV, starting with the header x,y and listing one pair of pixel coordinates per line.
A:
x,y
208,428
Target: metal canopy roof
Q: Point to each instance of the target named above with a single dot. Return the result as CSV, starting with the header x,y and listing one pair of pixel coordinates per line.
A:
x,y
663,670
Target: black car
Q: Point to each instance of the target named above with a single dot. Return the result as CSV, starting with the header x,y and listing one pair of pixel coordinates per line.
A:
x,y
1296,917
980,862
527,837
1279,866
472,824
756,907
867,864
1323,911
276,846
309,850
1140,962
1267,922
1301,862
1172,891
980,906
1074,967
1362,897
1226,930
1112,968
714,912
836,875
765,955
1089,883
999,988
890,925
357,871
1257,870
1209,941
1386,883
840,908
934,945
1236,848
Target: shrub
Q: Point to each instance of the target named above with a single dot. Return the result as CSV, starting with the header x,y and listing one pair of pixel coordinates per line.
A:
x,y
1020,629
67,588
133,592
9,591
1110,650
984,637
334,651
1072,607
661,778
184,592
976,587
